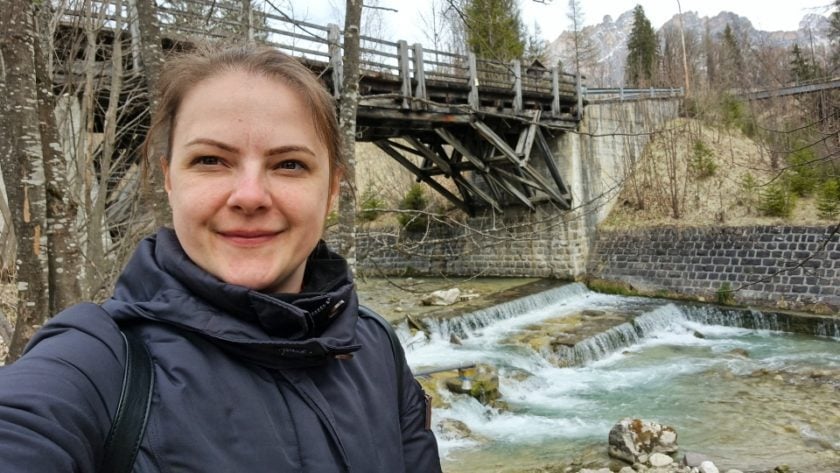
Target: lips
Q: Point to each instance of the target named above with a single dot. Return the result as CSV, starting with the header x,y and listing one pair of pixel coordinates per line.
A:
x,y
248,237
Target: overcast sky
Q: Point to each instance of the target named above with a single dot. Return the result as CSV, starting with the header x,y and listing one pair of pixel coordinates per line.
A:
x,y
406,23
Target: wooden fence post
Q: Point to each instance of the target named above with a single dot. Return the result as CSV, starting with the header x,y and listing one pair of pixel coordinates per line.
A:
x,y
517,86
419,77
472,98
334,40
555,91
405,73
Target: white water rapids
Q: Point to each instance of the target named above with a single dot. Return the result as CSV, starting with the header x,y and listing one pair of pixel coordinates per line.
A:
x,y
745,412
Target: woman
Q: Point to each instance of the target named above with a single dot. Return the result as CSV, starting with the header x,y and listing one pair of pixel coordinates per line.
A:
x,y
261,361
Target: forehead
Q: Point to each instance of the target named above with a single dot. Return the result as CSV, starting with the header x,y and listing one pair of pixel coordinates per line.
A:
x,y
227,102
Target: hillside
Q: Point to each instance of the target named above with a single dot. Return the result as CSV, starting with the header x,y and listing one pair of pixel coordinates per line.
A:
x,y
729,190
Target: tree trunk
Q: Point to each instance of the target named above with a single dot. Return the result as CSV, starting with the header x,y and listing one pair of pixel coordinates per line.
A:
x,y
349,102
22,162
63,250
151,54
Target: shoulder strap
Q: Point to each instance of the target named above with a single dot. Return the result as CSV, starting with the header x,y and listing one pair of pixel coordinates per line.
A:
x,y
396,346
129,424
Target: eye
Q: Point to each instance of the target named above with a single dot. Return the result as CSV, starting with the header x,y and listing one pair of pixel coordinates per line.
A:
x,y
290,165
206,161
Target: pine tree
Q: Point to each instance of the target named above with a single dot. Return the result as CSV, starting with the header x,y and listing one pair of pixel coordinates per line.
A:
x,y
732,61
642,51
801,67
494,29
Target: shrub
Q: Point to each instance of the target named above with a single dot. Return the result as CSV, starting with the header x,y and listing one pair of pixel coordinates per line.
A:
x,y
828,199
702,163
735,114
371,207
724,294
750,188
803,175
777,201
415,199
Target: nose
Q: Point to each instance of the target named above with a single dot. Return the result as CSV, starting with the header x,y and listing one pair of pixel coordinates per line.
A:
x,y
250,191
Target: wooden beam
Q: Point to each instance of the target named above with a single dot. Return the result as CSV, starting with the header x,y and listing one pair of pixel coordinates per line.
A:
x,y
517,86
507,186
419,77
456,144
405,73
429,155
472,98
495,140
551,164
385,145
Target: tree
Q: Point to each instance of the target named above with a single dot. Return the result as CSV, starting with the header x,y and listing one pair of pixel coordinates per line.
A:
x,y
21,156
642,51
834,34
348,104
731,60
584,48
537,47
494,29
801,67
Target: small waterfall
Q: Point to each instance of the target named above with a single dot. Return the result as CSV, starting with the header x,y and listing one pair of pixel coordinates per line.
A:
x,y
828,328
621,336
466,324
744,318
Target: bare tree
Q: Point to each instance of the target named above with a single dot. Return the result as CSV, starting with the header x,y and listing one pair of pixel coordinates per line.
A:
x,y
21,157
349,102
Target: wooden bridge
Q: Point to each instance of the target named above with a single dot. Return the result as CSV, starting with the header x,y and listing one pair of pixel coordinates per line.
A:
x,y
484,124
796,89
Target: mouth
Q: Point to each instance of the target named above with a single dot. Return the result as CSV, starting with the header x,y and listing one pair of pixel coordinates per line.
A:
x,y
247,238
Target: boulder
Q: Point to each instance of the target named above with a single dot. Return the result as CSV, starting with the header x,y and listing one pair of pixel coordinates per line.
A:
x,y
694,459
659,460
708,467
480,382
634,440
442,297
739,352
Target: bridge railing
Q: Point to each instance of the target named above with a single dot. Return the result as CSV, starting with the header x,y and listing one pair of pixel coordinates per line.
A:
x,y
620,93
416,69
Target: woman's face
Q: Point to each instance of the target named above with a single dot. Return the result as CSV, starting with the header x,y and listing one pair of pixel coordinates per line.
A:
x,y
248,181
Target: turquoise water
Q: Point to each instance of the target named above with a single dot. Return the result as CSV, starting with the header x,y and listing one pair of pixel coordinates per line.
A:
x,y
780,404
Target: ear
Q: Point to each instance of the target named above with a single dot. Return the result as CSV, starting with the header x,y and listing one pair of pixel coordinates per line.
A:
x,y
164,166
335,188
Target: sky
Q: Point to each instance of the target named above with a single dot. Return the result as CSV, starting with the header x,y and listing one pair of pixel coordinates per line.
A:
x,y
406,23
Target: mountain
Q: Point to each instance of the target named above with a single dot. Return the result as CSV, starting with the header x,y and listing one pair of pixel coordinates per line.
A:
x,y
604,66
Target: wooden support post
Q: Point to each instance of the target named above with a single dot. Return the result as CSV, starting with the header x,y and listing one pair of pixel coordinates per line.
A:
x,y
510,188
419,77
548,156
385,146
334,40
456,144
405,73
517,86
430,155
496,141
555,91
472,98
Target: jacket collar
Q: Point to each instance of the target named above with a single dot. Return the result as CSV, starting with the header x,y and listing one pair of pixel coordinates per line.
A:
x,y
161,284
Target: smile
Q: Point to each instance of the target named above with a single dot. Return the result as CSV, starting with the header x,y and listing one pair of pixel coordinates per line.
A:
x,y
248,237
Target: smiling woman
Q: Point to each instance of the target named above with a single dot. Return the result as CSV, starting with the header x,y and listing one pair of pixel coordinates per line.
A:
x,y
261,360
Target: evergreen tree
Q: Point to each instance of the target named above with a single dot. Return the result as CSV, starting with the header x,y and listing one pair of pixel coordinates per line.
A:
x,y
537,47
642,51
801,67
732,61
584,48
494,29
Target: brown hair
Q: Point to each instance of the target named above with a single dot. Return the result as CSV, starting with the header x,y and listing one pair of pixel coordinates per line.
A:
x,y
185,70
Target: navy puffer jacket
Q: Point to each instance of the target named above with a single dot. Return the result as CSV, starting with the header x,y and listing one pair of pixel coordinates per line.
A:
x,y
244,381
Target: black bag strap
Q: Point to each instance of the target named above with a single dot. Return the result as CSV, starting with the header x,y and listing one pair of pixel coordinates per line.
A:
x,y
129,424
396,346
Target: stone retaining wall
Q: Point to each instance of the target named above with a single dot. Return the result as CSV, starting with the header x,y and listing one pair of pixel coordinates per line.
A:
x,y
784,266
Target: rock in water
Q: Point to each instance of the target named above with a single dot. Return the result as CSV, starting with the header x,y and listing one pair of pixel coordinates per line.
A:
x,y
633,440
660,459
442,297
708,467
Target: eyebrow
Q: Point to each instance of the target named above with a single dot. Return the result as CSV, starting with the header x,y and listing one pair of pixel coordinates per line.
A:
x,y
271,152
